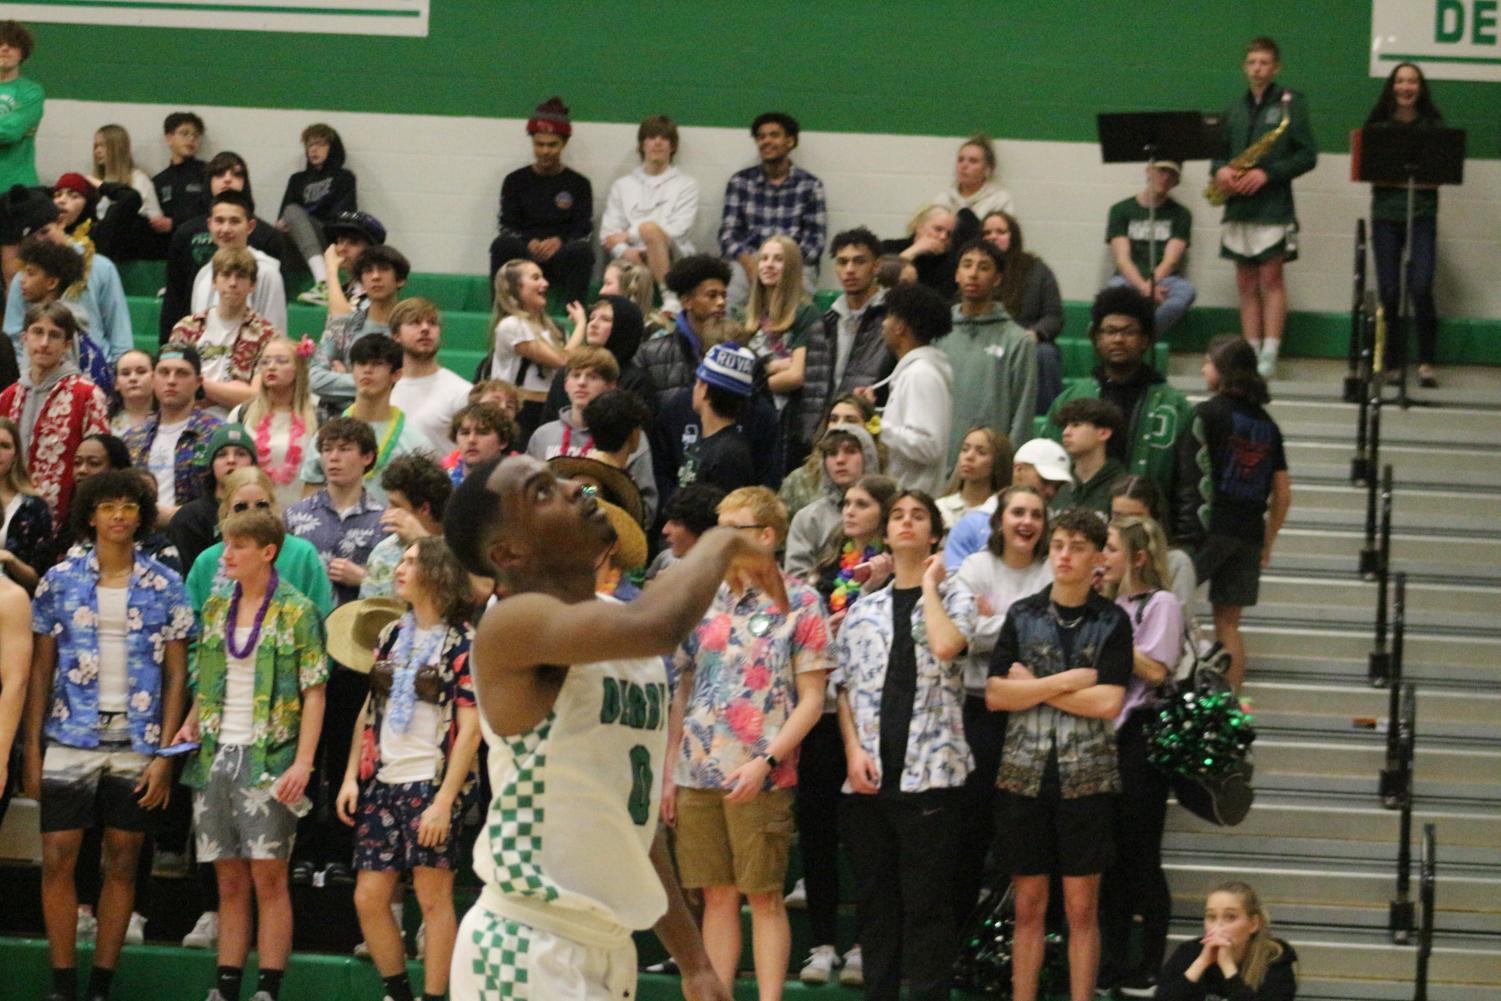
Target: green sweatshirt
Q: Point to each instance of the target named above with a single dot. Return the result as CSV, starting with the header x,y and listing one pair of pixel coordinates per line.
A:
x,y
298,564
995,376
20,113
1160,446
1291,156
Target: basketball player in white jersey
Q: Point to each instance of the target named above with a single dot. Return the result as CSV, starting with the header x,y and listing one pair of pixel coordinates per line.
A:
x,y
573,702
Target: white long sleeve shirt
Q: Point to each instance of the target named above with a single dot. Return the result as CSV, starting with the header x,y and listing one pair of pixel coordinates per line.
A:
x,y
915,423
669,199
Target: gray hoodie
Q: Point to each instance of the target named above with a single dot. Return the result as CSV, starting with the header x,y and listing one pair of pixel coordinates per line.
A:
x,y
815,524
36,396
547,441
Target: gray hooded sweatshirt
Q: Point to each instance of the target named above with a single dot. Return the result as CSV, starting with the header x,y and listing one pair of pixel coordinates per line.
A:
x,y
815,524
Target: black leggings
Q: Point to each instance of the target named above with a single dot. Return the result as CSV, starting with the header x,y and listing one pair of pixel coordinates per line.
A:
x,y
1135,884
820,773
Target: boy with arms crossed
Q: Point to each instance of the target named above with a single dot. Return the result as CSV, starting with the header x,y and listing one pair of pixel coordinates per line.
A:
x,y
1058,779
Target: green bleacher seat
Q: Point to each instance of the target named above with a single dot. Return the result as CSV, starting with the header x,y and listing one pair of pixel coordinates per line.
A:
x,y
142,277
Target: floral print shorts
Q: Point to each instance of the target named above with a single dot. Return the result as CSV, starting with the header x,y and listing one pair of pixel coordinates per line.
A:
x,y
385,838
235,819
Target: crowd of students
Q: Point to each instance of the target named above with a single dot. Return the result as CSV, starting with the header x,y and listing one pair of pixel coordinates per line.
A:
x,y
232,550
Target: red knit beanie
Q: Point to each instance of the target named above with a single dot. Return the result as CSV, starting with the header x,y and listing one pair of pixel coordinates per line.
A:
x,y
78,184
551,116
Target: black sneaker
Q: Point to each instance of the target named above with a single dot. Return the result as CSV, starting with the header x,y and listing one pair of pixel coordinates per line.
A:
x,y
1138,985
302,873
337,874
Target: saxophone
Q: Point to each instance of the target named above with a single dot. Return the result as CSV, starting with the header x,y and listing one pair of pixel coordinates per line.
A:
x,y
1247,157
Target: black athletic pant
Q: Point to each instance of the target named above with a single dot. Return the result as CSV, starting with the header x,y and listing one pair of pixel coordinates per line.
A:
x,y
321,837
903,847
985,732
1135,884
820,773
569,270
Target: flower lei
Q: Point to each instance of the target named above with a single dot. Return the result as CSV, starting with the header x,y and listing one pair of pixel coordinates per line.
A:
x,y
387,444
286,472
409,659
260,618
846,588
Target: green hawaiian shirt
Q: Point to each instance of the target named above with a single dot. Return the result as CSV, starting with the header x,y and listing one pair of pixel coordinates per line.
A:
x,y
289,659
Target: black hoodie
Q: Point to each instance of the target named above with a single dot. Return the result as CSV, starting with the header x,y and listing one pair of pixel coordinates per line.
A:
x,y
323,191
626,333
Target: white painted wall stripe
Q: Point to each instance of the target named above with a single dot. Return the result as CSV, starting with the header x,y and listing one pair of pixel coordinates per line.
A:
x,y
434,182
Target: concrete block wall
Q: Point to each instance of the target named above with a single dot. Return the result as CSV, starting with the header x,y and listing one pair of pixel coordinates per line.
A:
x,y
434,182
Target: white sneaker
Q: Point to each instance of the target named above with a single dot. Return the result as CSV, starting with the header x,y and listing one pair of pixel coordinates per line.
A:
x,y
853,973
205,934
1266,365
135,932
798,898
671,304
88,926
214,995
819,965
315,296
362,948
261,996
421,942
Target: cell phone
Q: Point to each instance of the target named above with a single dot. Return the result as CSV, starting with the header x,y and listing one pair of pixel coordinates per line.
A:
x,y
176,750
860,573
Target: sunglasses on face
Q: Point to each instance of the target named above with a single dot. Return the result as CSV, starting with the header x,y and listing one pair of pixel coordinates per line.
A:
x,y
240,507
119,507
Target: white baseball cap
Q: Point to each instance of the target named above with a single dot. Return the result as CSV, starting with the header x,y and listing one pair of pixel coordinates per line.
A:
x,y
1048,458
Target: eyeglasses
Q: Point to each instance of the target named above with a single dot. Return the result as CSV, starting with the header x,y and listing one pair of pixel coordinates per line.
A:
x,y
1126,330
118,507
240,507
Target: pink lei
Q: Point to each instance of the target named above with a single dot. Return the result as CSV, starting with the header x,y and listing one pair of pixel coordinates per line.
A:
x,y
285,471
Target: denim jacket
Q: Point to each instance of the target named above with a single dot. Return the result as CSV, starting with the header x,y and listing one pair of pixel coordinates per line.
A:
x,y
1086,747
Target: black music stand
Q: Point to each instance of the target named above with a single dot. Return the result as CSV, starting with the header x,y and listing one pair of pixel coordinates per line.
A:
x,y
1144,136
1409,157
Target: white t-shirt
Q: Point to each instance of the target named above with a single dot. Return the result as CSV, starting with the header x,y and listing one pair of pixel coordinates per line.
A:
x,y
114,678
430,401
268,298
511,331
162,461
983,574
411,756
213,347
236,722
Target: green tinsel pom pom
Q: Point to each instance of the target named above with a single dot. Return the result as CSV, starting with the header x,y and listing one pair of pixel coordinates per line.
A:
x,y
1200,736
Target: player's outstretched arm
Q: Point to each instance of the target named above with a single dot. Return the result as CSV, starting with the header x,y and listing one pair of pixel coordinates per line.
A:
x,y
533,629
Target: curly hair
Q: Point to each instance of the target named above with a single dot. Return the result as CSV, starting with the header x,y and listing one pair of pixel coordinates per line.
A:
x,y
111,485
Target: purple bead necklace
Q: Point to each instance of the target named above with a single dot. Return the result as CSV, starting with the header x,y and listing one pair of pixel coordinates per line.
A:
x,y
260,619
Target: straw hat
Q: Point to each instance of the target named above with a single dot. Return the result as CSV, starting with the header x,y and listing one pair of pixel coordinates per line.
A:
x,y
354,627
615,484
631,553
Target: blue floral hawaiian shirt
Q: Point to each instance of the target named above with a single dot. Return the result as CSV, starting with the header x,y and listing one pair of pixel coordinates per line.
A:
x,y
66,606
350,536
938,757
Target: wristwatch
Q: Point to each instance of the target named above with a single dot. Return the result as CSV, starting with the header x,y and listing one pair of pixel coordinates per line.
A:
x,y
771,760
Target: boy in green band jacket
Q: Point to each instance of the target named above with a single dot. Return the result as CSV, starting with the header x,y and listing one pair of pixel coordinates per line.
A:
x,y
1260,226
